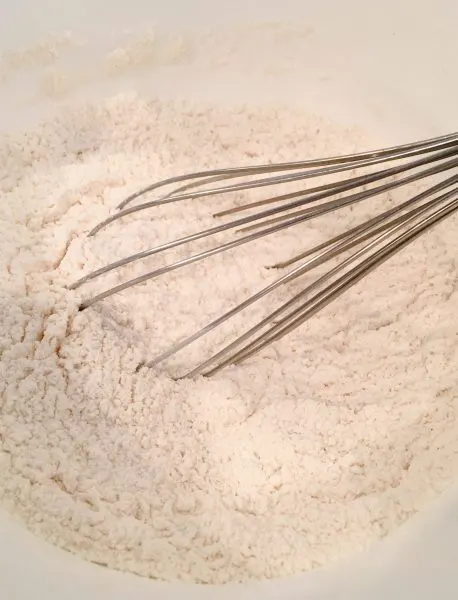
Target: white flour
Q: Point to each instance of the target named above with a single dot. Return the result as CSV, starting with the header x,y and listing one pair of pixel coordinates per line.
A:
x,y
306,454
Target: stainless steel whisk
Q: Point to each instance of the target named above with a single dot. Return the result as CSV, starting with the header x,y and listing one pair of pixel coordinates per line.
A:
x,y
375,239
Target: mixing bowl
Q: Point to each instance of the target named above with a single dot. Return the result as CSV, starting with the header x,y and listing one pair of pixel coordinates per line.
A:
x,y
388,67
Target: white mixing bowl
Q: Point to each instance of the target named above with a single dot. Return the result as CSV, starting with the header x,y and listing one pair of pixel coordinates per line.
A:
x,y
389,67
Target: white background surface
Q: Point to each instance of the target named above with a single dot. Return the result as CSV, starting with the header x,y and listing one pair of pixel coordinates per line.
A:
x,y
391,66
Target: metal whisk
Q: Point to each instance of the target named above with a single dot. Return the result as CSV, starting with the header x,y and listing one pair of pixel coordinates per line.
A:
x,y
375,240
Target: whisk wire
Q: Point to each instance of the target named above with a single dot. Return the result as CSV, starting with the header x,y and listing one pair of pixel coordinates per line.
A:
x,y
339,165
295,219
230,350
401,151
376,239
333,291
321,254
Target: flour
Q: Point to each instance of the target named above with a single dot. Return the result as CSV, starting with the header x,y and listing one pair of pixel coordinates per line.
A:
x,y
41,54
306,454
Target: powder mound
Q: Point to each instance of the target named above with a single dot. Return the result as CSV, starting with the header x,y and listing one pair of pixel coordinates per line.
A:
x,y
306,454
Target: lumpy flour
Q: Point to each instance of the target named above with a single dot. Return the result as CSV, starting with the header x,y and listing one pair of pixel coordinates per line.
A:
x,y
306,454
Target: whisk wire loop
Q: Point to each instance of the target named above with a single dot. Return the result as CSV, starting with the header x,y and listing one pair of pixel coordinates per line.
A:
x,y
376,239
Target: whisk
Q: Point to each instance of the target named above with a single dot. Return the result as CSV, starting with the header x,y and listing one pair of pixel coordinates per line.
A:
x,y
373,241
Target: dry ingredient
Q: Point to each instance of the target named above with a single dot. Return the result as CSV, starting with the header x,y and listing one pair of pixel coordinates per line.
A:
x,y
308,453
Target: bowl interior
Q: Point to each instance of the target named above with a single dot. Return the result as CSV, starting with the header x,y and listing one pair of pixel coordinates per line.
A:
x,y
388,67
